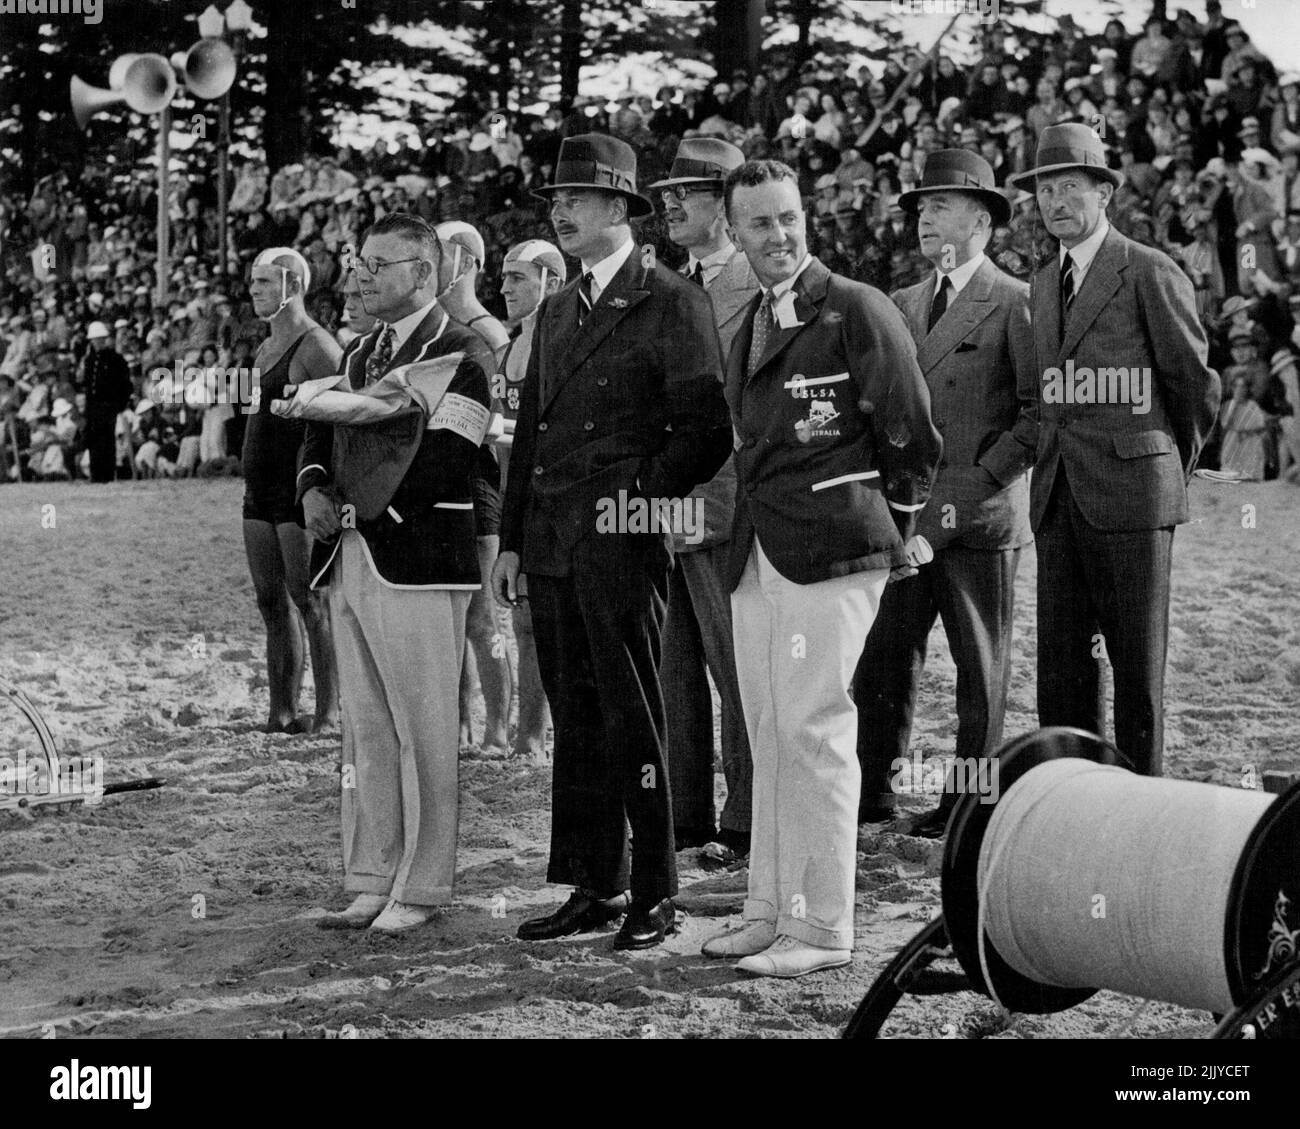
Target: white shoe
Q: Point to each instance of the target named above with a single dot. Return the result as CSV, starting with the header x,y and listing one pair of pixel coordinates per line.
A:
x,y
398,917
753,937
363,910
788,957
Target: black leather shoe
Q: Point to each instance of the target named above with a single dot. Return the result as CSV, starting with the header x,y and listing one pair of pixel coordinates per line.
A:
x,y
580,914
875,813
646,926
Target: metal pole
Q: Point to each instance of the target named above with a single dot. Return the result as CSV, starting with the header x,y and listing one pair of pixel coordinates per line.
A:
x,y
906,82
164,184
223,173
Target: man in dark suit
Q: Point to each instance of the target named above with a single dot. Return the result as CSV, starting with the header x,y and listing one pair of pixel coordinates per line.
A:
x,y
107,381
389,504
835,453
1127,401
974,345
697,632
621,413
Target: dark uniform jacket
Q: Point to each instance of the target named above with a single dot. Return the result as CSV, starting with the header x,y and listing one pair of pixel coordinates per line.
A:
x,y
836,451
421,534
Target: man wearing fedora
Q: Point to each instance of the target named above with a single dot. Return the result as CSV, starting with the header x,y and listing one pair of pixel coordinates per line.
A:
x,y
1127,401
622,411
970,323
835,454
697,632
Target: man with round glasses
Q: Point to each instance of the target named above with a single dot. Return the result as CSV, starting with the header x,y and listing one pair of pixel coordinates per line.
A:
x,y
697,631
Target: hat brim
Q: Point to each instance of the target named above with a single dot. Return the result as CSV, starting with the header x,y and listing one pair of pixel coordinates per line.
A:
x,y
999,206
637,205
711,181
1115,177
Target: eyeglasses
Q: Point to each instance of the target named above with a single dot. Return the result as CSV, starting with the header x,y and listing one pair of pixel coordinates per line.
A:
x,y
679,192
374,266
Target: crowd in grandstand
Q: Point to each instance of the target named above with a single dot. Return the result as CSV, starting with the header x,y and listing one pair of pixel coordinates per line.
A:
x,y
1204,128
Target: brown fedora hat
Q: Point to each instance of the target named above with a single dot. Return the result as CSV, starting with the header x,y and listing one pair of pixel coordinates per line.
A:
x,y
958,170
1069,145
702,160
596,160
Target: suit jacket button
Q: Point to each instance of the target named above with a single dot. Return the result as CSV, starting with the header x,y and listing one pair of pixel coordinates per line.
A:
x,y
602,381
952,384
939,424
542,426
537,470
588,426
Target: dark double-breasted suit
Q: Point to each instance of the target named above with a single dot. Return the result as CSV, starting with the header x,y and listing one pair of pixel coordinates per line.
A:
x,y
625,407
978,365
1110,483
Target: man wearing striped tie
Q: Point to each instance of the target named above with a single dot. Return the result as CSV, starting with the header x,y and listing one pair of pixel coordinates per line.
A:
x,y
835,453
389,504
1127,403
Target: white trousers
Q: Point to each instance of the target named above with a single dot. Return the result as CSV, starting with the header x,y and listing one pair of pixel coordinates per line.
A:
x,y
797,646
399,654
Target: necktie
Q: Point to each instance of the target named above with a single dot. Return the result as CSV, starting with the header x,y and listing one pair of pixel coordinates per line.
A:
x,y
697,275
762,331
1067,290
940,303
378,361
584,297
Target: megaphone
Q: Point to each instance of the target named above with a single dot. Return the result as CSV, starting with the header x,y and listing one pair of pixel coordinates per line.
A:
x,y
209,69
146,84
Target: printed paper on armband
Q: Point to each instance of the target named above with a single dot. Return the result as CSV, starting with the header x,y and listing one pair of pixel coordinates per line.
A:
x,y
467,418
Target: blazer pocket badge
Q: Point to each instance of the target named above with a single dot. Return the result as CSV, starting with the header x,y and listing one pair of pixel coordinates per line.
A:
x,y
821,413
783,308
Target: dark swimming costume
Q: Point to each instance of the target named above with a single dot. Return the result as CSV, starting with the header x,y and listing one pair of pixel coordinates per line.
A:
x,y
271,446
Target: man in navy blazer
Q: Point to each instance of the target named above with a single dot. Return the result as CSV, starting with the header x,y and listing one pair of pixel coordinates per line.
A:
x,y
391,509
974,344
835,455
1127,401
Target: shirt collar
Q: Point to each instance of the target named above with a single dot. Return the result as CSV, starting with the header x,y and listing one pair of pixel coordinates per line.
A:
x,y
961,275
603,272
403,327
1083,253
711,263
781,287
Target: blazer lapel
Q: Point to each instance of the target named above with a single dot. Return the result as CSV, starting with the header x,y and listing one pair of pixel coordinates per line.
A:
x,y
423,334
1099,285
561,323
1045,301
731,291
356,364
971,306
916,308
809,291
